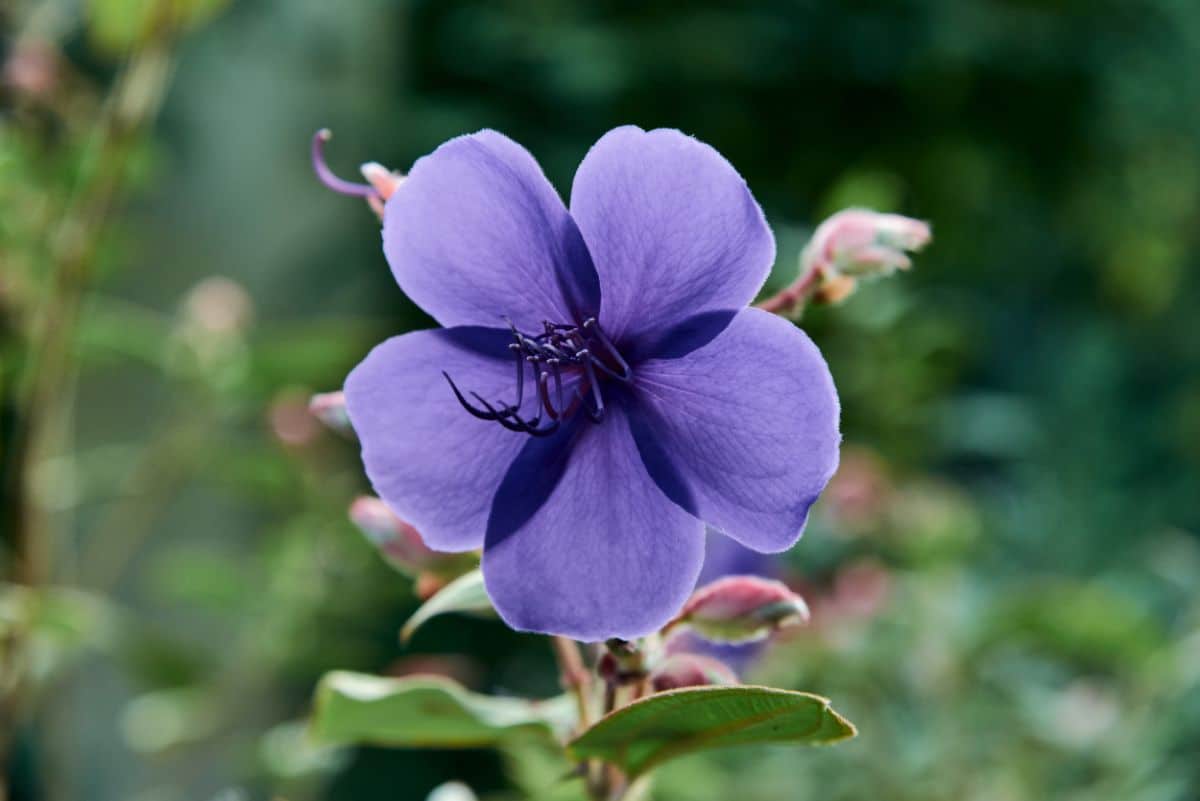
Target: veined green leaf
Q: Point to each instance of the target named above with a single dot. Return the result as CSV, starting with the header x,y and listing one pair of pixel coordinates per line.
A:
x,y
426,711
667,725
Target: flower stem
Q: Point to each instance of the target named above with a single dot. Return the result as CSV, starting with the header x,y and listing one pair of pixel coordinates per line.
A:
x,y
791,300
574,676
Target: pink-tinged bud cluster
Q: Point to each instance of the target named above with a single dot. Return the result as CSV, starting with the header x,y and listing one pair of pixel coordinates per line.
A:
x,y
330,409
738,609
690,670
859,243
397,541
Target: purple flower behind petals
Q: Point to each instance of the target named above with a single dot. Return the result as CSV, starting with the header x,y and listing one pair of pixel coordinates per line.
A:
x,y
600,390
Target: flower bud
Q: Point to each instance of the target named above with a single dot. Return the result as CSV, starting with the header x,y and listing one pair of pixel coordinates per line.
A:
x,y
690,670
384,181
739,609
396,540
861,243
330,409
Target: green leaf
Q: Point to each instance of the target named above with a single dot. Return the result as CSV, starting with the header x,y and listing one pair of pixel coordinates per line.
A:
x,y
426,712
667,725
464,594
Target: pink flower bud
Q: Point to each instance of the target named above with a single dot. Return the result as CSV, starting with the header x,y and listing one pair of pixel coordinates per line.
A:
x,y
397,541
861,243
384,181
738,609
330,409
690,670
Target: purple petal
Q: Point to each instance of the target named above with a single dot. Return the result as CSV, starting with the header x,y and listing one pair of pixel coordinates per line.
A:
x,y
435,465
476,234
583,544
672,229
743,432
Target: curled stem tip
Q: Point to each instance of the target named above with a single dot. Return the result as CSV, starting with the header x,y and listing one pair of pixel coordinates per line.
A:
x,y
326,176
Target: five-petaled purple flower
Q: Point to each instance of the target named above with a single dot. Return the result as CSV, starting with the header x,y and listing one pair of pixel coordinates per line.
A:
x,y
600,389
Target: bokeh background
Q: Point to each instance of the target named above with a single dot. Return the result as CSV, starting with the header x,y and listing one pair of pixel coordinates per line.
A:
x,y
1004,574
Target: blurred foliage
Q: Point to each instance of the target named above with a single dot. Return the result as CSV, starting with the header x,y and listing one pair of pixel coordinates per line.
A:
x,y
1003,585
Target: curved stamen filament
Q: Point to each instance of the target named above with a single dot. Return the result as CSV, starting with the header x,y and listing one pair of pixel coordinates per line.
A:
x,y
591,325
547,354
326,175
595,412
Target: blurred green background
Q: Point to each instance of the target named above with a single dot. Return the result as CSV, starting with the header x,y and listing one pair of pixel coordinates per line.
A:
x,y
1004,574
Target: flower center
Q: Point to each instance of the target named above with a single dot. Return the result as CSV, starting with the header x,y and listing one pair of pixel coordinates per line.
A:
x,y
580,349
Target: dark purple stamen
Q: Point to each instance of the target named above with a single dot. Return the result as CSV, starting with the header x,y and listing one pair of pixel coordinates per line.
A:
x,y
547,354
326,175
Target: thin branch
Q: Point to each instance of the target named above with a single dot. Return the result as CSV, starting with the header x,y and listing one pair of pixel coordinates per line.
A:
x,y
791,300
574,675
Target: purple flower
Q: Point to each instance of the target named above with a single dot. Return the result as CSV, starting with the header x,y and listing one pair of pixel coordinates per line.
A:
x,y
600,390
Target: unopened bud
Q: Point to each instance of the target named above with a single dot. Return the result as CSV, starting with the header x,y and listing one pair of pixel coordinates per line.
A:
x,y
396,540
690,670
739,609
861,243
330,409
384,181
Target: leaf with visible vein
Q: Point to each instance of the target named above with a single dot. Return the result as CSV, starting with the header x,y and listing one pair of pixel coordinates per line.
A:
x,y
659,728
